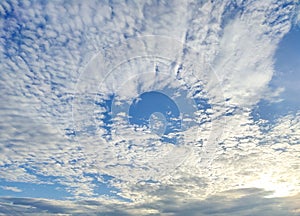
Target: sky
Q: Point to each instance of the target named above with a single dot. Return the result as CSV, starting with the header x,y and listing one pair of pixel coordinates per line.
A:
x,y
150,107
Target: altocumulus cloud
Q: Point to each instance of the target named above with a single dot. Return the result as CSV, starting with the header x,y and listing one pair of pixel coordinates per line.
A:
x,y
45,51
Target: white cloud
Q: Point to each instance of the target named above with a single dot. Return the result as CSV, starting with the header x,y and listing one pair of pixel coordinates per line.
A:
x,y
46,95
14,189
244,63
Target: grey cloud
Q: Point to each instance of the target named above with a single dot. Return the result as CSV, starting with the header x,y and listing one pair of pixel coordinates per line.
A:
x,y
248,201
241,202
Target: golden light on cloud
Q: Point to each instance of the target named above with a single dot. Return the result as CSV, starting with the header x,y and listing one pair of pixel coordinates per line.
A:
x,y
276,187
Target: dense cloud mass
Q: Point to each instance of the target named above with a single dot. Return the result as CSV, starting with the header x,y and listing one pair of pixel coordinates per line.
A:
x,y
70,71
239,202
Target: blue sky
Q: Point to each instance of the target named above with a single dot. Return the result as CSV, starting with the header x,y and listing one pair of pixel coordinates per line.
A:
x,y
149,108
286,76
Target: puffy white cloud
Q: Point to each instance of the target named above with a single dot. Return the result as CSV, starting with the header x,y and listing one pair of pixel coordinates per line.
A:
x,y
59,59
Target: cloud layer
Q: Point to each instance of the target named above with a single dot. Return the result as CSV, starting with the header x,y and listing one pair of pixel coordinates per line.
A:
x,y
59,61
